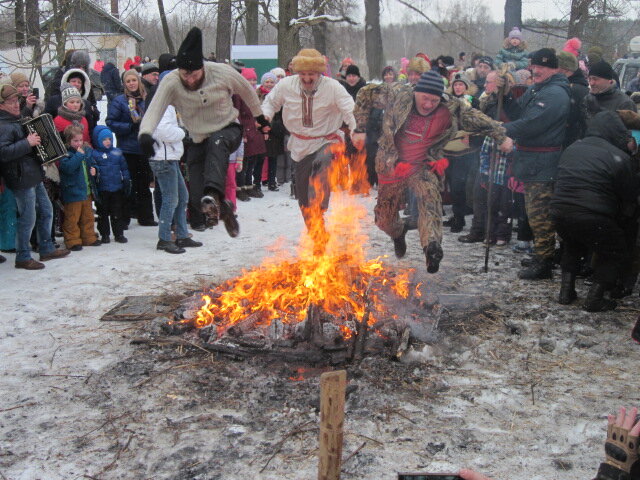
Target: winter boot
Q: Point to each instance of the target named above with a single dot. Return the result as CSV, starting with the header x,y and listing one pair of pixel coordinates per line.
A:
x,y
567,288
211,209
635,333
471,238
539,269
229,219
169,247
595,301
457,224
433,254
400,244
242,195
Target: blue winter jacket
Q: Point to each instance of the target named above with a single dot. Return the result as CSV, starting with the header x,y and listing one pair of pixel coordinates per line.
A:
x,y
111,165
540,129
111,81
74,175
120,123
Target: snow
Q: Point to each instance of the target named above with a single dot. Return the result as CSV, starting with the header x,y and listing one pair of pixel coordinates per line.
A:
x,y
73,403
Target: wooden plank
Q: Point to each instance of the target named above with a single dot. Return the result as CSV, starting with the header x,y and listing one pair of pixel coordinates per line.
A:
x,y
332,397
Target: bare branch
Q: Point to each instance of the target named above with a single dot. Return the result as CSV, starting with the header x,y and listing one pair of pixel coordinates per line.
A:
x,y
267,15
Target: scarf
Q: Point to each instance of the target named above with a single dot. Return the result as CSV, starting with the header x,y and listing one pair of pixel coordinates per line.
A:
x,y
263,91
70,115
135,109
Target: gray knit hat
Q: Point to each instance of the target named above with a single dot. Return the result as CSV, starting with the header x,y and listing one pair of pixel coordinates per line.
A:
x,y
430,82
68,92
149,67
80,59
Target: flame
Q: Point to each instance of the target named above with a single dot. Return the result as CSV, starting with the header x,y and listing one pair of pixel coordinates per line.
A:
x,y
330,270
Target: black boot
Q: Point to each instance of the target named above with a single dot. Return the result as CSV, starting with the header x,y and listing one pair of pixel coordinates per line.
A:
x,y
471,238
433,254
595,301
169,247
229,219
635,333
457,224
539,269
567,288
400,244
211,209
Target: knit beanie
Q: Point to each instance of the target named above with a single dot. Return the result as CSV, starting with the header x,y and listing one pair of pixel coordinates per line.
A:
x,y
105,133
419,65
515,33
309,60
487,60
7,91
249,74
460,77
521,76
573,45
268,76
594,54
352,70
166,61
545,57
567,61
430,82
278,72
80,59
601,69
17,78
149,67
68,92
189,55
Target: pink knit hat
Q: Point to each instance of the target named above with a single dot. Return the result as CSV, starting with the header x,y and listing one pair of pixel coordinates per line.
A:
x,y
249,73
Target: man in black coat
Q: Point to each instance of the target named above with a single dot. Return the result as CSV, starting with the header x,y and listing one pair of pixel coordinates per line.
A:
x,y
605,94
23,174
596,186
111,81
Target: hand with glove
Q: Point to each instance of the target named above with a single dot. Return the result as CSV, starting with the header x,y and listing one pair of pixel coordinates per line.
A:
x,y
621,447
263,124
126,187
147,143
239,165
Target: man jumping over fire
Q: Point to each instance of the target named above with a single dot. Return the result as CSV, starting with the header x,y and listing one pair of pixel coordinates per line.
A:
x,y
417,124
313,110
201,92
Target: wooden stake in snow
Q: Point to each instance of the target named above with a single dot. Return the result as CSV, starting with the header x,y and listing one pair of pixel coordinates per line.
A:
x,y
332,396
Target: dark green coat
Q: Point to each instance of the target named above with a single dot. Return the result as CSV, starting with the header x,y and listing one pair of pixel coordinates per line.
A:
x,y
544,111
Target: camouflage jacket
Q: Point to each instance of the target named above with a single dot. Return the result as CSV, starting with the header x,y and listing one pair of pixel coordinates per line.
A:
x,y
397,102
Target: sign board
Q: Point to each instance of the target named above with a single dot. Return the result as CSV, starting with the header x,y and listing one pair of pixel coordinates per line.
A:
x,y
261,57
634,45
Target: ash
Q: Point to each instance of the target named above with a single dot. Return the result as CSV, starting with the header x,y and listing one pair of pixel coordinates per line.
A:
x,y
509,383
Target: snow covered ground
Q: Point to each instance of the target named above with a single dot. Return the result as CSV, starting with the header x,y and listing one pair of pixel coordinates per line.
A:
x,y
519,390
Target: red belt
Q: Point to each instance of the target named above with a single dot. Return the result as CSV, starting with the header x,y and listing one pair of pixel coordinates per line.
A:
x,y
305,137
522,148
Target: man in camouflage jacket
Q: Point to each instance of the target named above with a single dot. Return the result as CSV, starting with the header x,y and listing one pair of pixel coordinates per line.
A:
x,y
417,124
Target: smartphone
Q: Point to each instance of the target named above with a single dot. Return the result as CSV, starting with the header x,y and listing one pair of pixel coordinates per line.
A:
x,y
428,476
36,92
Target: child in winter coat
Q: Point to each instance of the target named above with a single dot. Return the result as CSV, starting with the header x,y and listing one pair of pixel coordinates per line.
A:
x,y
514,51
71,112
235,166
113,180
75,172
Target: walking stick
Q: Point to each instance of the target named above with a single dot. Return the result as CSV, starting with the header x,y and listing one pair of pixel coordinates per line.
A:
x,y
492,167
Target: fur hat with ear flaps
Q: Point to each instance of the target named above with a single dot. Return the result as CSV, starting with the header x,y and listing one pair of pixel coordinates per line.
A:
x,y
309,60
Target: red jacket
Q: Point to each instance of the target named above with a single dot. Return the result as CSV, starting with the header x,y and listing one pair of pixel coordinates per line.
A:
x,y
255,140
62,123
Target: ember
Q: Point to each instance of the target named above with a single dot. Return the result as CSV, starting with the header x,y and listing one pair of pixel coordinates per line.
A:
x,y
352,291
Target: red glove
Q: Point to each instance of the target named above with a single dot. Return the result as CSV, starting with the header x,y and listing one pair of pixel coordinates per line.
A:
x,y
439,166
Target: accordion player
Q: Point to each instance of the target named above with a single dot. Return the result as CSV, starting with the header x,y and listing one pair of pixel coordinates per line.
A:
x,y
51,146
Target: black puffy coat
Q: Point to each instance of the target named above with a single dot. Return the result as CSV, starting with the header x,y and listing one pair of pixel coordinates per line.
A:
x,y
612,99
18,164
110,77
595,174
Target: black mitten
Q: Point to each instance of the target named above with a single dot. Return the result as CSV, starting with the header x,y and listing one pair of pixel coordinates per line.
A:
x,y
147,142
263,122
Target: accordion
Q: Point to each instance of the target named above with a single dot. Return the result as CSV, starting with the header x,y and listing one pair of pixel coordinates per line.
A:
x,y
51,147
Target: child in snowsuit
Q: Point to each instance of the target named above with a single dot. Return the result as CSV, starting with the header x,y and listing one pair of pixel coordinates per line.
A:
x,y
71,112
113,180
75,170
514,51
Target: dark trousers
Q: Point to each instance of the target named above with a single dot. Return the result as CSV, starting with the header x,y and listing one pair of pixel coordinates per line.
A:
x,y
500,210
208,161
372,151
457,174
244,178
272,170
310,168
582,232
140,203
257,170
520,212
111,210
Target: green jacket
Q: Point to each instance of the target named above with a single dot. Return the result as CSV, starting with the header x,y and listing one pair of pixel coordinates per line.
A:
x,y
397,102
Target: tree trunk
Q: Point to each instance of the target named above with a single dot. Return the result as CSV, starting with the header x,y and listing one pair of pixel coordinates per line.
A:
x,y
251,22
33,32
223,31
578,18
512,15
373,38
165,28
319,31
21,28
288,36
59,26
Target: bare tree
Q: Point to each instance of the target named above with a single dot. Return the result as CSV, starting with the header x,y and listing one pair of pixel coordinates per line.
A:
x,y
373,37
251,22
223,33
165,27
21,27
512,15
